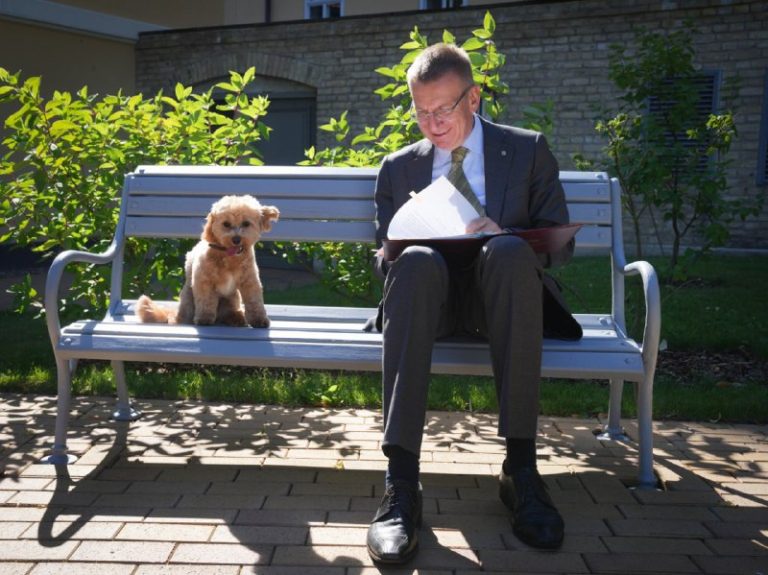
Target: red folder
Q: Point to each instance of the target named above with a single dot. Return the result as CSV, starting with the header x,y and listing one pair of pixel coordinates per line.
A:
x,y
542,240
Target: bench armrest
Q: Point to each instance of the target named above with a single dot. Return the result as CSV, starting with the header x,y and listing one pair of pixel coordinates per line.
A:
x,y
652,330
53,282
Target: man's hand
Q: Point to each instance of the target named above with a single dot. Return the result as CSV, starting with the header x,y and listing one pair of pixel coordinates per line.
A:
x,y
483,224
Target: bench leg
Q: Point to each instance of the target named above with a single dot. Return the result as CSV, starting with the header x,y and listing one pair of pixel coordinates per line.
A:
x,y
646,478
59,455
613,431
124,410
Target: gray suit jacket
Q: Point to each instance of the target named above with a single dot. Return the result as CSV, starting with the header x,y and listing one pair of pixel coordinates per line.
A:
x,y
522,190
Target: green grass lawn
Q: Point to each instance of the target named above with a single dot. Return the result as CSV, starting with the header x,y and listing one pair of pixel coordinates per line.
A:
x,y
720,309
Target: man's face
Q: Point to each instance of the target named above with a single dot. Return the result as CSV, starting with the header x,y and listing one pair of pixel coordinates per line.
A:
x,y
441,123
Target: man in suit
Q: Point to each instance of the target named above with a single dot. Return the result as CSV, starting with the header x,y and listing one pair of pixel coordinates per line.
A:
x,y
503,295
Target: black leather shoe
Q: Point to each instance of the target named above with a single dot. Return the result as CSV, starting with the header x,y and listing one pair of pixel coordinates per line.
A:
x,y
393,536
536,520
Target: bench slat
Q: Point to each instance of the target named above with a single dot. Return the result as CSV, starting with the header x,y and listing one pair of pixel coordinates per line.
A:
x,y
327,210
350,188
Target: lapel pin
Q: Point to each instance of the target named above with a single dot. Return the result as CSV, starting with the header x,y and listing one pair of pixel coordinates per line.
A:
x,y
503,152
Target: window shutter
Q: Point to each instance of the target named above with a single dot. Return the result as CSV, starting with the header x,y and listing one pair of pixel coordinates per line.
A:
x,y
706,85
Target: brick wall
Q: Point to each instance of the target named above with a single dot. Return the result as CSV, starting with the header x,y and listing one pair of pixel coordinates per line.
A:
x,y
555,50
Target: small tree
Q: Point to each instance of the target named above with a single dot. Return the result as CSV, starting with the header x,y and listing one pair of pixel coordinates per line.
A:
x,y
669,157
64,158
348,266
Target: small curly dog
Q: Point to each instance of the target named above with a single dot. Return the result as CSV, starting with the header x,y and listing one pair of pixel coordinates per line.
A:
x,y
221,284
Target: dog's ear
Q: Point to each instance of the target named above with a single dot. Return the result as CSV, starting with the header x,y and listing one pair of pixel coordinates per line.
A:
x,y
208,235
269,214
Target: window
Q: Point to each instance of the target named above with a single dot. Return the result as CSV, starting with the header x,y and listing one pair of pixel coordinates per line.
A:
x,y
322,9
704,101
762,157
442,4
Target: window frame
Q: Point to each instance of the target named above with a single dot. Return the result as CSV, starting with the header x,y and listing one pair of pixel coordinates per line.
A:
x,y
325,4
762,154
423,5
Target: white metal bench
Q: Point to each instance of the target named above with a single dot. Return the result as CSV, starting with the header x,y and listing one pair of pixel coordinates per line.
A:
x,y
334,204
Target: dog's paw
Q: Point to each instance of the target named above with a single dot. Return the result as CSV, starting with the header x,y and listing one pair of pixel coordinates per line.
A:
x,y
205,320
259,321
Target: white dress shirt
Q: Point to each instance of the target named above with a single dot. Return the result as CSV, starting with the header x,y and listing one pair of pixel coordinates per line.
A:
x,y
474,162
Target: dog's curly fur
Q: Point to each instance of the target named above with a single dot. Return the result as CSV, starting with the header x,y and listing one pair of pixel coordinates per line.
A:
x,y
222,283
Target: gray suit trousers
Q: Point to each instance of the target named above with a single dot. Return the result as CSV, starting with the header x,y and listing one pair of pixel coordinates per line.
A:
x,y
497,297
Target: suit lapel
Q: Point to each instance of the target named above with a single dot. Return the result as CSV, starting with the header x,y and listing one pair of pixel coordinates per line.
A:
x,y
419,170
498,151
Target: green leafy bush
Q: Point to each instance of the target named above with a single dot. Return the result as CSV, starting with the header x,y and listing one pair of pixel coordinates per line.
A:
x,y
63,161
672,159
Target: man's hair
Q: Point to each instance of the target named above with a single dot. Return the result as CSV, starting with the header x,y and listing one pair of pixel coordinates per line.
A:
x,y
438,60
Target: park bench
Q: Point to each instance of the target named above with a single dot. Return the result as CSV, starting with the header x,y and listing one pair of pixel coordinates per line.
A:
x,y
335,204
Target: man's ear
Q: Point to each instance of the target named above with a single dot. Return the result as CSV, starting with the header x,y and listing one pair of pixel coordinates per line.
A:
x,y
269,214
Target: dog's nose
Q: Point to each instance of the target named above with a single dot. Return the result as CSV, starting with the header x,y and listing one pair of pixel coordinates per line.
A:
x,y
236,240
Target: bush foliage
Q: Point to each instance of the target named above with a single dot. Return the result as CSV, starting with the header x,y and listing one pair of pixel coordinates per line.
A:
x,y
64,158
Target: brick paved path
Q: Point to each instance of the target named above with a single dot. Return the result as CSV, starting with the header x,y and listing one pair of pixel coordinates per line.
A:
x,y
197,488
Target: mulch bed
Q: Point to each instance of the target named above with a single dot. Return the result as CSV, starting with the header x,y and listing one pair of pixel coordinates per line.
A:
x,y
730,368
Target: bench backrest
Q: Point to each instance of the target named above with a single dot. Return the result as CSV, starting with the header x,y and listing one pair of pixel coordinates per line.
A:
x,y
330,204
172,201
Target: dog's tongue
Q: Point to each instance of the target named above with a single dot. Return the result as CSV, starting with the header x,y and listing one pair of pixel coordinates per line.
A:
x,y
232,250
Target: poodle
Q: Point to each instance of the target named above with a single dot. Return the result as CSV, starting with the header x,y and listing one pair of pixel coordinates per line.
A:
x,y
221,284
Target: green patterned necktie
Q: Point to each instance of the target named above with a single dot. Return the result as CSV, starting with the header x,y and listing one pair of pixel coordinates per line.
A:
x,y
458,178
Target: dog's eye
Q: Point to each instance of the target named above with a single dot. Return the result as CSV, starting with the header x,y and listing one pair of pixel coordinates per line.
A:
x,y
227,225
246,224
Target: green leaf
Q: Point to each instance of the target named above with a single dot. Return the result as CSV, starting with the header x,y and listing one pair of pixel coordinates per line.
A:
x,y
473,44
388,72
411,46
60,127
448,38
489,23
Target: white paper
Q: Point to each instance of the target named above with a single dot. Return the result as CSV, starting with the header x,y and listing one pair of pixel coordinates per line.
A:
x,y
438,211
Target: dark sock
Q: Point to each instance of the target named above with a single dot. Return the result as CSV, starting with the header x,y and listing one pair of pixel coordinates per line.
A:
x,y
403,466
520,453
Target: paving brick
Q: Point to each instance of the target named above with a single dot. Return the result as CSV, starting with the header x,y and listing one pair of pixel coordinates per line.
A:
x,y
327,503
337,555
732,565
289,517
249,488
188,570
671,512
532,562
743,530
13,529
165,532
31,550
639,563
233,501
15,568
81,569
143,488
123,551
657,528
221,554
75,530
260,535
654,545
207,516
738,547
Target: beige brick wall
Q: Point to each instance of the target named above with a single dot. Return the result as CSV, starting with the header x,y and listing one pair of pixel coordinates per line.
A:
x,y
555,50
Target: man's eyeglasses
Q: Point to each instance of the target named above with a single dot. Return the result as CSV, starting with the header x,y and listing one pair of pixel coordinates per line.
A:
x,y
441,113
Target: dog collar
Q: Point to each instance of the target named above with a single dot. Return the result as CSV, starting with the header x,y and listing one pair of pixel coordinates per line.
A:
x,y
233,251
